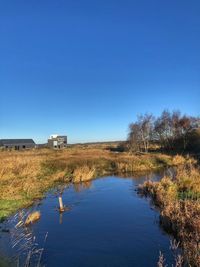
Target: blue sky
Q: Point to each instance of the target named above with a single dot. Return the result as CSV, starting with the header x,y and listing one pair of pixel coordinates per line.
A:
x,y
87,68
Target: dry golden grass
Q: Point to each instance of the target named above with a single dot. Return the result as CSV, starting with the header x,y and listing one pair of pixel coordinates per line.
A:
x,y
32,217
178,160
26,175
178,198
83,174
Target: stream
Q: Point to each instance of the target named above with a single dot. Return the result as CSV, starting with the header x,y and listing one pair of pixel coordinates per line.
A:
x,y
106,223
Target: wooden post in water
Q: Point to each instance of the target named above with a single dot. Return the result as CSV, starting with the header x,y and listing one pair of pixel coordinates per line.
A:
x,y
61,207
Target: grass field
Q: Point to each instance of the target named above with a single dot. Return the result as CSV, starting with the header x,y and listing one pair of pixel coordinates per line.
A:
x,y
26,175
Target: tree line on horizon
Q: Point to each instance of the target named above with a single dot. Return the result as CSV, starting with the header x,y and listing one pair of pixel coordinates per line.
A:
x,y
171,131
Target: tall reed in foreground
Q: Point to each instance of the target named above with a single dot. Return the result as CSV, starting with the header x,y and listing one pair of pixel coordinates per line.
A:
x,y
28,253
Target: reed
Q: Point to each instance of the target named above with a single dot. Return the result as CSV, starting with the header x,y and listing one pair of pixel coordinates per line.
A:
x,y
178,198
32,217
27,251
27,175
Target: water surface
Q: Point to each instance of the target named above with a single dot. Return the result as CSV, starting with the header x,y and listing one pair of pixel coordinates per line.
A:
x,y
107,224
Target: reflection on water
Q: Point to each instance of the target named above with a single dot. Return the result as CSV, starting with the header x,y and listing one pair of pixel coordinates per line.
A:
x,y
82,186
104,223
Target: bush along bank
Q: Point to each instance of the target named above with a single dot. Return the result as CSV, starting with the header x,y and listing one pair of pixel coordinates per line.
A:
x,y
178,198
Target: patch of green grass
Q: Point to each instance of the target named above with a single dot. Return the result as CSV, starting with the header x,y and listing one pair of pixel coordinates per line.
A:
x,y
189,195
7,207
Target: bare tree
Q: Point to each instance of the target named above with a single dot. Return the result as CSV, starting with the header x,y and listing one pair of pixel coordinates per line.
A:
x,y
163,129
146,130
171,130
134,137
141,133
187,125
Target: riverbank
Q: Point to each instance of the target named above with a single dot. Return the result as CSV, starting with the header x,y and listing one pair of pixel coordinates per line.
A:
x,y
178,199
26,175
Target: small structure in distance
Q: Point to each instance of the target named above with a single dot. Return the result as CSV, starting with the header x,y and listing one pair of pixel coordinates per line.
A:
x,y
57,141
17,144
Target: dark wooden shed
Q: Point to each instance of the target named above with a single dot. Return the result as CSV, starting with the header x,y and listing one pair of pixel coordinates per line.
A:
x,y
17,144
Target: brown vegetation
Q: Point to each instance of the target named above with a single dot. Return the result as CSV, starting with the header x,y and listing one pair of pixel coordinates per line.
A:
x,y
83,174
177,197
28,252
32,217
26,175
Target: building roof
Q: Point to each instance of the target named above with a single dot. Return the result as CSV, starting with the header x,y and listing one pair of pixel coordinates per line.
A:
x,y
55,136
16,141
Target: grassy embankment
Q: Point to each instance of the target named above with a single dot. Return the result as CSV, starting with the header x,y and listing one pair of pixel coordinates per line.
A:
x,y
27,175
178,199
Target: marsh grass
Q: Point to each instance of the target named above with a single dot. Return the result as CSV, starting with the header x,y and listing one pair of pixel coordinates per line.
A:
x,y
26,175
178,198
7,207
27,252
178,258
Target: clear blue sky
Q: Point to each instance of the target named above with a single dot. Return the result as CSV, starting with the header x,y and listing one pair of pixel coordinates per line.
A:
x,y
87,68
